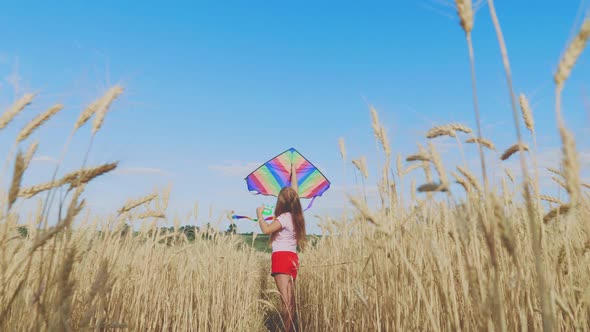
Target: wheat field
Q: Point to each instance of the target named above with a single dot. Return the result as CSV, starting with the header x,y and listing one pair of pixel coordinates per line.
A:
x,y
456,252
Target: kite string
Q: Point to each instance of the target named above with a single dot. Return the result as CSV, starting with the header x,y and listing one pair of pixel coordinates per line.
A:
x,y
236,217
332,265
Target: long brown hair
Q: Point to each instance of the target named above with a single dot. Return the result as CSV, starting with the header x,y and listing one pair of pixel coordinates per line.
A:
x,y
288,201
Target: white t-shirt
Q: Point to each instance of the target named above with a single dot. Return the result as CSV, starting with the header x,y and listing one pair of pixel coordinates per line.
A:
x,y
285,240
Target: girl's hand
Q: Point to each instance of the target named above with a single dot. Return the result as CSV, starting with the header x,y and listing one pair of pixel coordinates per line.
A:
x,y
259,211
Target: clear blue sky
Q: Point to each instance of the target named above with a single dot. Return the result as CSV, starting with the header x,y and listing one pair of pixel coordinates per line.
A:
x,y
213,88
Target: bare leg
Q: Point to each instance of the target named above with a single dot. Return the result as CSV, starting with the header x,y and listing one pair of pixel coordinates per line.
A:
x,y
286,288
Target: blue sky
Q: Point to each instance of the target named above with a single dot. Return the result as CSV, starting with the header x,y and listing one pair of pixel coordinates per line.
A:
x,y
215,88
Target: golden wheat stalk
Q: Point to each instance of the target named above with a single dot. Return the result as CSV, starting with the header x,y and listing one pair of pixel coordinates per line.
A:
x,y
399,165
64,292
30,153
375,122
29,192
483,141
512,150
527,114
361,165
460,127
342,148
561,255
560,303
97,286
132,204
152,214
440,131
411,168
103,106
506,193
448,129
465,12
86,114
461,181
433,187
571,55
89,174
75,208
507,235
379,131
15,109
418,157
571,165
559,182
560,210
38,121
437,162
555,171
470,177
362,207
85,175
80,176
551,199
17,176
425,164
509,174
166,197
70,178
385,142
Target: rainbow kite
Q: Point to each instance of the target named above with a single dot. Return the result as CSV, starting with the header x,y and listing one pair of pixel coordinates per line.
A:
x,y
275,174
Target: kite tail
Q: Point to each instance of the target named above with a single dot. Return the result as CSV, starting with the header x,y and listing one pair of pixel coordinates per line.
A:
x,y
310,204
237,217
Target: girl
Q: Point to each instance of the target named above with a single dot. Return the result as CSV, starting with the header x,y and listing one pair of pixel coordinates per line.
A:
x,y
287,232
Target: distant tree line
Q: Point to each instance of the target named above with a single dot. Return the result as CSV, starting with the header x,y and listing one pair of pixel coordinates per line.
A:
x,y
190,231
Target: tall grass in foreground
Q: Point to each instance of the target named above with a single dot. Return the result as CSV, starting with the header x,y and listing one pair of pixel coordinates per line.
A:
x,y
137,283
490,258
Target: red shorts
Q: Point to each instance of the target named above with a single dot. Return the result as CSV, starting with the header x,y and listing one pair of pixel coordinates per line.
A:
x,y
285,262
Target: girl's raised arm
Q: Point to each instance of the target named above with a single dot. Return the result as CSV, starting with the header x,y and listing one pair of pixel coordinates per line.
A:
x,y
294,183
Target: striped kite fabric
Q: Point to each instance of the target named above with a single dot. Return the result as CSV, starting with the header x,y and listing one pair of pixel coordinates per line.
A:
x,y
275,174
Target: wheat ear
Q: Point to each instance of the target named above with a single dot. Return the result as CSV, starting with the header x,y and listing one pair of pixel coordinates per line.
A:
x,y
512,150
527,114
15,109
418,157
461,181
465,11
37,122
433,187
19,169
560,210
571,165
86,114
31,152
152,214
438,165
470,177
483,141
571,55
342,148
361,164
551,199
132,204
103,105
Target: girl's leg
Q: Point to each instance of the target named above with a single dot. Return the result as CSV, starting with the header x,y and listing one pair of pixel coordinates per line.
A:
x,y
286,288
